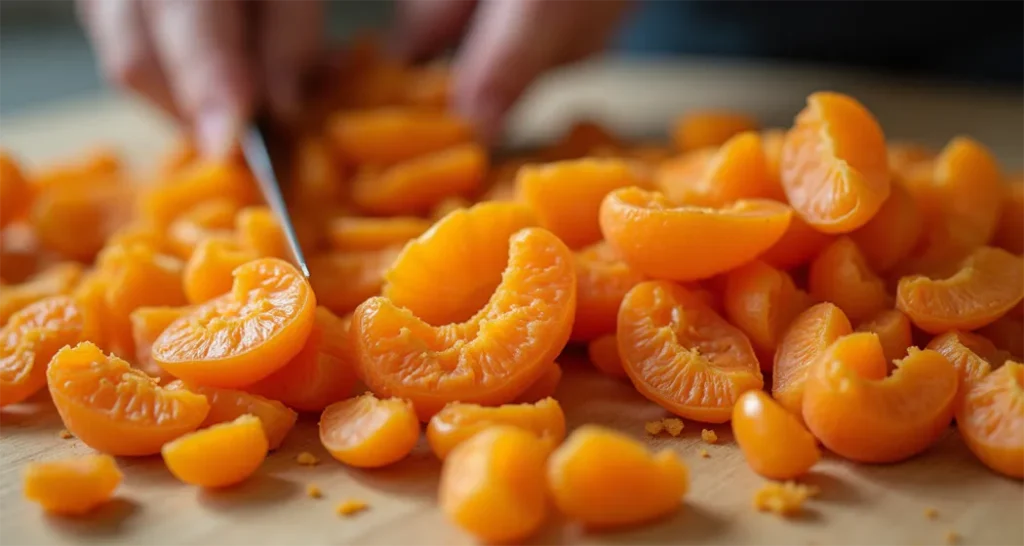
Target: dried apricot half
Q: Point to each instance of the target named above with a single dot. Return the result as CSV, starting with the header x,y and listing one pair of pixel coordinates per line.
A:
x,y
73,486
224,454
355,233
227,405
716,177
30,339
703,128
774,441
390,135
841,275
458,422
369,432
991,419
602,280
807,337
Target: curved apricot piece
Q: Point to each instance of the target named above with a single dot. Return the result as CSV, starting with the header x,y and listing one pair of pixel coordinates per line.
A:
x,y
582,139
491,358
213,217
390,135
652,234
245,335
317,183
116,409
703,128
207,272
15,192
798,245
986,286
774,441
447,274
30,339
991,419
841,275
493,484
602,279
1006,333
717,177
806,339
56,280
75,221
218,456
459,422
259,232
878,420
606,479
973,356
1010,230
147,325
195,184
544,387
321,374
835,167
567,195
72,486
682,355
353,233
892,233
343,280
226,405
99,165
893,330
603,353
369,432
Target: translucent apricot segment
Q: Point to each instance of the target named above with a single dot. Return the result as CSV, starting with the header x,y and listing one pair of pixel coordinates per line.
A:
x,y
30,339
774,441
806,339
841,275
73,486
343,280
991,419
1010,230
567,195
147,325
369,432
703,128
417,185
224,454
448,274
606,479
207,272
602,279
716,177
893,330
245,335
493,485
604,355
973,356
652,234
390,135
835,167
798,245
116,409
892,233
195,184
353,233
986,286
227,405
682,355
458,422
543,387
15,192
491,358
54,281
878,420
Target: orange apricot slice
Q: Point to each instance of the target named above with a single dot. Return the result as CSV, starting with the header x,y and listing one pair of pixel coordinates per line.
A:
x,y
604,478
892,233
542,388
798,245
147,325
72,486
603,353
491,358
567,195
245,335
390,135
116,409
493,484
841,275
882,420
75,221
893,330
835,168
317,182
447,274
207,272
30,339
101,164
213,217
703,128
218,456
680,354
459,422
806,339
1010,230
353,233
369,432
660,240
15,192
56,280
343,280
195,184
259,232
774,441
986,286
991,419
972,355
227,405
716,177
602,280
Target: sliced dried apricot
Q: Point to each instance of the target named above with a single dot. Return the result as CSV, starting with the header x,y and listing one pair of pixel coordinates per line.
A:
x,y
806,339
15,191
543,387
390,135
602,279
343,280
213,217
227,405
682,355
893,330
841,275
972,355
30,339
193,185
774,441
207,272
56,280
218,456
603,353
369,432
703,128
259,232
716,177
1010,230
75,221
72,486
991,419
799,244
459,422
354,233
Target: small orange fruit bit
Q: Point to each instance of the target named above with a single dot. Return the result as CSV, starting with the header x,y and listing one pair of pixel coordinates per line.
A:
x,y
221,455
390,135
893,233
703,128
652,234
245,335
115,408
354,233
459,422
491,358
606,479
343,280
369,432
56,280
602,279
72,486
213,217
567,194
893,329
835,168
774,441
75,221
448,273
581,140
682,355
973,356
259,232
30,339
807,337
986,286
321,374
193,185
1010,231
798,245
882,420
715,177
227,405
15,192
544,387
604,355
841,275
207,272
493,484
991,419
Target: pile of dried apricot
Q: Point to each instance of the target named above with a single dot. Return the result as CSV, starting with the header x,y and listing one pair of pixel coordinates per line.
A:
x,y
778,279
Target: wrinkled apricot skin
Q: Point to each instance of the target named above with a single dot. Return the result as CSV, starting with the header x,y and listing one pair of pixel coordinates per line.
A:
x,y
226,405
367,432
72,487
604,355
700,129
806,339
602,280
991,419
30,339
605,479
841,275
774,441
221,455
458,422
389,135
493,484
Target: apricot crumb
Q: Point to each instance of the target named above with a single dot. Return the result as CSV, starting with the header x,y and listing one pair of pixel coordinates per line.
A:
x,y
704,454
952,537
709,436
931,513
673,425
307,459
786,499
654,428
313,492
350,507
65,434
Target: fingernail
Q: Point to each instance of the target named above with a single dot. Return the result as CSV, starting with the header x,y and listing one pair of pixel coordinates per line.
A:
x,y
216,131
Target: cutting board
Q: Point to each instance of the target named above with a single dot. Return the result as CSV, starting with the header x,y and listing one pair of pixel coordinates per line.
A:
x,y
858,504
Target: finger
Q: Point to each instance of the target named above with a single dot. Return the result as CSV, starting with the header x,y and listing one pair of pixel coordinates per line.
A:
x,y
201,44
126,55
424,28
290,39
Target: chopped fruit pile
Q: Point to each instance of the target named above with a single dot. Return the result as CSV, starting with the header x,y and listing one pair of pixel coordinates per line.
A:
x,y
776,279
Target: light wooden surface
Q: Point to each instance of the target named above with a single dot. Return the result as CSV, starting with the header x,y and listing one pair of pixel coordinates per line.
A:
x,y
859,504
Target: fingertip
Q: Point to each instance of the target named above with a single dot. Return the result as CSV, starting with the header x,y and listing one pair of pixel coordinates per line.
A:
x,y
217,131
